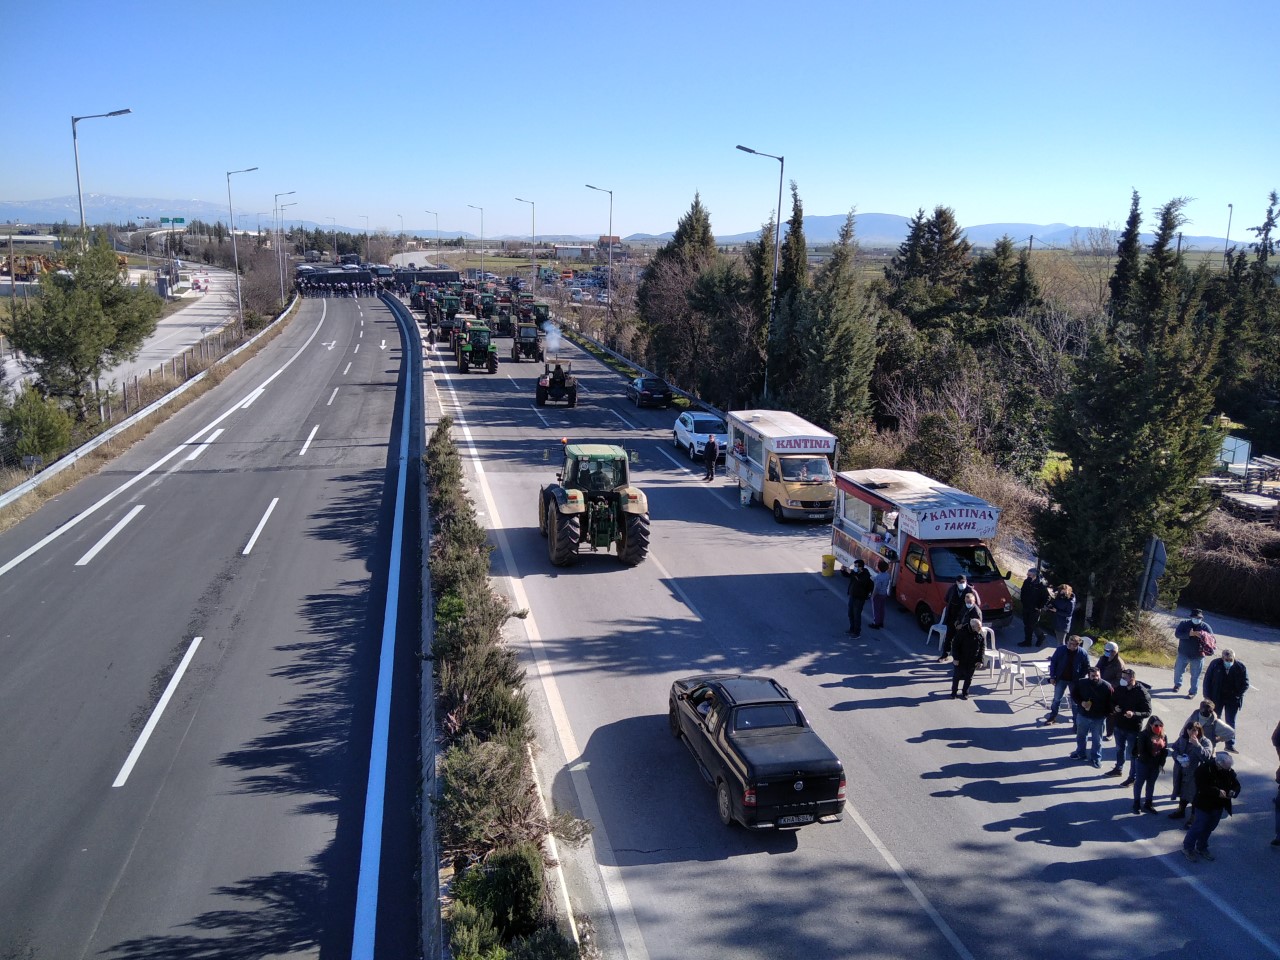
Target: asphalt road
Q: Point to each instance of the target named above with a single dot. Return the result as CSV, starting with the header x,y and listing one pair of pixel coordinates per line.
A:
x,y
257,520
968,833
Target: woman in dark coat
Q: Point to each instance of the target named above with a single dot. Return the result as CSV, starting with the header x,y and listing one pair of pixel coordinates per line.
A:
x,y
967,647
1149,756
1192,749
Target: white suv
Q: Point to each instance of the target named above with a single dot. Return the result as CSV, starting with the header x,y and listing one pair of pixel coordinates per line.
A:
x,y
694,428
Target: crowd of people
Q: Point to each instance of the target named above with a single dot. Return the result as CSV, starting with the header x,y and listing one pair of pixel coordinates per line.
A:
x,y
1108,702
316,287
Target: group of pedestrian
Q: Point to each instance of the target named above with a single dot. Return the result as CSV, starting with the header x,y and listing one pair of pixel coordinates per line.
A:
x,y
1225,680
864,586
1037,599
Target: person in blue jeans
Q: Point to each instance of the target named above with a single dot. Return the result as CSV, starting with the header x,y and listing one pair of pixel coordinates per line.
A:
x,y
1130,706
1092,699
1189,634
1148,760
1216,787
1067,665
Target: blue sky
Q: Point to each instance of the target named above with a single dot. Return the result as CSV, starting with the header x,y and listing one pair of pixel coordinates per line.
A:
x,y
1005,111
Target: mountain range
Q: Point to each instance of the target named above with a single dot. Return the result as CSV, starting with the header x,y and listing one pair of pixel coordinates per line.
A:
x,y
874,230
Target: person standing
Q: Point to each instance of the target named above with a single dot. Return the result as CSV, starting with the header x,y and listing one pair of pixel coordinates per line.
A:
x,y
710,454
1148,760
1067,665
1275,742
1130,706
1192,648
1092,697
1035,596
1191,749
1064,609
879,593
1216,786
1215,728
1225,683
1111,666
955,613
860,587
967,648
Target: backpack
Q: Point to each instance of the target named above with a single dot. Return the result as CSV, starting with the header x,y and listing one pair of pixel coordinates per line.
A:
x,y
1208,644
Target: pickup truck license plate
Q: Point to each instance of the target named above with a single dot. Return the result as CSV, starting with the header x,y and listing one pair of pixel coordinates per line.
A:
x,y
799,818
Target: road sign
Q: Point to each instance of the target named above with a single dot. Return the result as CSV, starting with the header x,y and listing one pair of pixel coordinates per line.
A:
x,y
164,219
179,220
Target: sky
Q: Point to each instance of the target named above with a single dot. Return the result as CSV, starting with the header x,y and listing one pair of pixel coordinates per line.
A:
x,y
1007,112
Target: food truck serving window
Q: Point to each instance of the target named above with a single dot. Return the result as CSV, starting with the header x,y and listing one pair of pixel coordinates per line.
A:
x,y
857,512
755,448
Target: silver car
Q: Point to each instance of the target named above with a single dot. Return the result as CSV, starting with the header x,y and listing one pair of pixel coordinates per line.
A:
x,y
694,428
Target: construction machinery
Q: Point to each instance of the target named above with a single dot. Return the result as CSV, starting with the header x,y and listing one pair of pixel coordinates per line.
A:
x,y
557,383
592,504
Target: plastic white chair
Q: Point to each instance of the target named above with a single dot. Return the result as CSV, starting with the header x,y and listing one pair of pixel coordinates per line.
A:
x,y
1011,667
990,652
941,630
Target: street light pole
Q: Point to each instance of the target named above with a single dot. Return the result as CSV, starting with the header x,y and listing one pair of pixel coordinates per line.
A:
x,y
280,252
275,228
146,246
437,216
1226,247
533,237
234,253
75,146
481,209
777,250
608,280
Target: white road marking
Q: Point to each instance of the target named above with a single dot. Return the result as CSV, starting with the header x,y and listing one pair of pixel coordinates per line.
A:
x,y
310,436
111,535
732,504
362,329
346,368
357,349
628,424
331,396
205,446
143,737
258,529
619,901
248,401
383,346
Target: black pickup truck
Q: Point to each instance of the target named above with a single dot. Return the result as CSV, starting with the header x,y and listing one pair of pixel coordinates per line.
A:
x,y
754,745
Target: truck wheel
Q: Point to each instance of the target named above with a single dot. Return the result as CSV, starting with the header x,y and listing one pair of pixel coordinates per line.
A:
x,y
635,539
724,803
673,721
777,512
573,397
542,513
562,541
540,396
924,616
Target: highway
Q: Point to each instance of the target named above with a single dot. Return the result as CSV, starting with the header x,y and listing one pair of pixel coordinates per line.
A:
x,y
191,643
968,832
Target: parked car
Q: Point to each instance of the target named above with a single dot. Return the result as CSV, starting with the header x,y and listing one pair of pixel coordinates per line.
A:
x,y
694,428
753,744
649,392
576,295
602,298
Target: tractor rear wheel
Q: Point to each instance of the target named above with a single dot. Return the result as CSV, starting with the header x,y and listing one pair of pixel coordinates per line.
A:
x,y
573,397
540,396
635,539
543,504
562,537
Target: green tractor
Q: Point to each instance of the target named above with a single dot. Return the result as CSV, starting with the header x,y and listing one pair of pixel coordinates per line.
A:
x,y
475,348
528,340
592,503
487,304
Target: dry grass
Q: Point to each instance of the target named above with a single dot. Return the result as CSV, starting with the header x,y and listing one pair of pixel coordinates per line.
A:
x,y
1235,567
102,456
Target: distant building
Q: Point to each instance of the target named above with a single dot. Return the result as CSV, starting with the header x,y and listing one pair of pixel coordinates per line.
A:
x,y
577,251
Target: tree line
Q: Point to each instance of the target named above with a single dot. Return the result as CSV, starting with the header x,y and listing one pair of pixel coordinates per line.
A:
x,y
956,359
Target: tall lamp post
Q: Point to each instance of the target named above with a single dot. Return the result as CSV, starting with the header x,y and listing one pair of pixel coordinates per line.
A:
x,y
275,226
437,216
481,209
533,237
234,253
146,245
777,249
608,280
75,146
1226,247
280,251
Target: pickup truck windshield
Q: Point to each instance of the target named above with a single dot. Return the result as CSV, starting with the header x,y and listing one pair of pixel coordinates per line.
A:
x,y
974,562
806,470
762,715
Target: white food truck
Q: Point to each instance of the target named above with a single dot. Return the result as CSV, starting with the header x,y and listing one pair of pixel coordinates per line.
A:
x,y
783,461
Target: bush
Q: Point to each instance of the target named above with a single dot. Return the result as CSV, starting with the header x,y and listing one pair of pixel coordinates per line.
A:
x,y
509,888
544,944
486,800
37,426
472,935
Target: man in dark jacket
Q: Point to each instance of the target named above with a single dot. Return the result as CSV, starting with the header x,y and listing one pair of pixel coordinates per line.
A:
x,y
1189,633
859,591
1067,665
1225,682
1035,596
955,613
967,647
1130,705
1092,699
710,454
1216,786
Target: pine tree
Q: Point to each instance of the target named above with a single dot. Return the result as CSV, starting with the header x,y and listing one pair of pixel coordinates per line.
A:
x,y
926,279
1128,261
793,269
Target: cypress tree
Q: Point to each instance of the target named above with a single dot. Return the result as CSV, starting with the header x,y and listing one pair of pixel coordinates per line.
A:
x,y
1128,254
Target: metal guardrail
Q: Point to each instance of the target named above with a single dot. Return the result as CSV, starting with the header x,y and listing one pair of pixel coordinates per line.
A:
x,y
74,457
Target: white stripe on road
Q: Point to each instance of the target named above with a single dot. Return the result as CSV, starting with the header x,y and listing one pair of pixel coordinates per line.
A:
x,y
310,436
331,396
248,401
348,367
143,737
357,349
258,530
627,423
205,446
111,535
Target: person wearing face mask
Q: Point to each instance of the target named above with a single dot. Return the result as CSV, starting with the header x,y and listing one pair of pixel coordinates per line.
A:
x,y
1110,665
1035,596
1190,634
1064,609
1130,705
1216,786
1067,665
957,610
1215,728
1149,756
1191,749
1093,697
1225,683
968,649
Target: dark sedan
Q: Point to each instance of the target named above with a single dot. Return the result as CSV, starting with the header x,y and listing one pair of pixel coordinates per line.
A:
x,y
649,392
754,745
